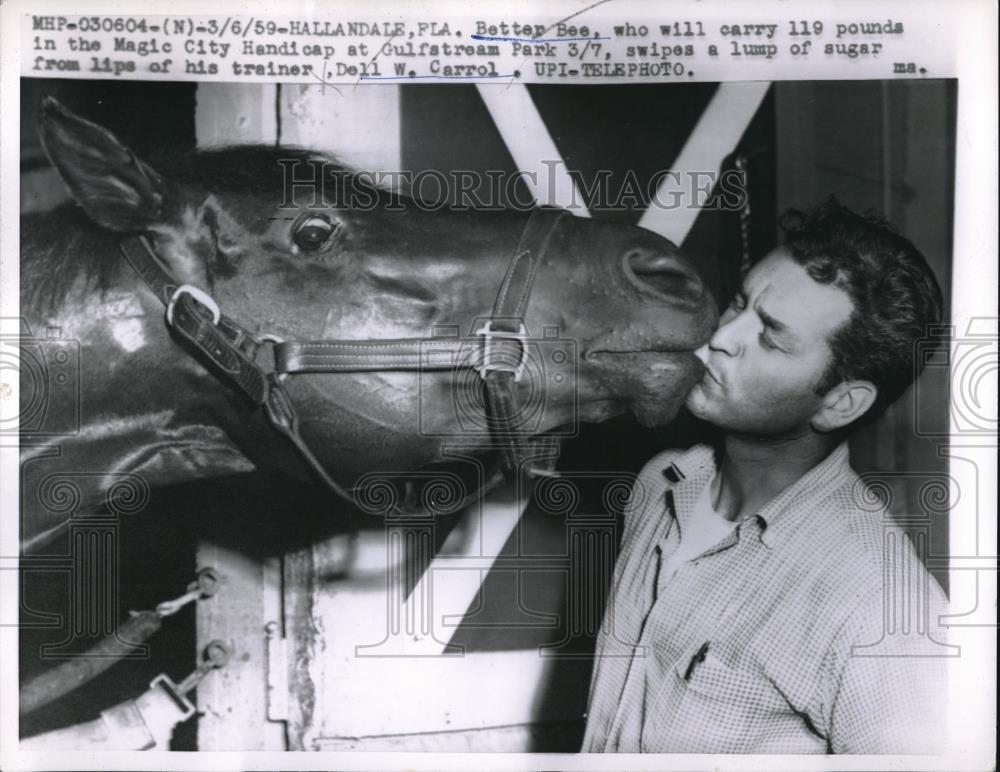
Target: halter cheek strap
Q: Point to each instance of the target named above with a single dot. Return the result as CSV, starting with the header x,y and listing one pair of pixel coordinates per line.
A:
x,y
229,351
226,349
508,321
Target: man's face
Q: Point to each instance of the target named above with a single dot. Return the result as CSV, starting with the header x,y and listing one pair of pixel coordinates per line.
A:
x,y
763,363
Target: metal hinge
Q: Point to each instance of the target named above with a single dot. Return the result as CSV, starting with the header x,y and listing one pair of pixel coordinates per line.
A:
x,y
276,647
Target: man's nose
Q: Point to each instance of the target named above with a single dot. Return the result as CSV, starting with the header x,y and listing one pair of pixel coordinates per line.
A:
x,y
726,339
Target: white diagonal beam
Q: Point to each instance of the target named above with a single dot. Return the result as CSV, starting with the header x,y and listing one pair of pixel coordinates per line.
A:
x,y
531,146
678,201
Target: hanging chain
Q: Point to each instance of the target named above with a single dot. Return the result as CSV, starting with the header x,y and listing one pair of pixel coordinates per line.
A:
x,y
741,164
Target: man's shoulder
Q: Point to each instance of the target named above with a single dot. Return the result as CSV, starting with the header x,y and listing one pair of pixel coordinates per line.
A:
x,y
858,514
864,545
669,468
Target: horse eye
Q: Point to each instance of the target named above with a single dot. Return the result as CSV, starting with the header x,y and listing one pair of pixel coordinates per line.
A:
x,y
312,233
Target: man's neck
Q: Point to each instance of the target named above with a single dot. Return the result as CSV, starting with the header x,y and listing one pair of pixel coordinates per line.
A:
x,y
754,471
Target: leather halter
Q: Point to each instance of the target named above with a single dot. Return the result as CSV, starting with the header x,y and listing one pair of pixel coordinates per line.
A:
x,y
230,351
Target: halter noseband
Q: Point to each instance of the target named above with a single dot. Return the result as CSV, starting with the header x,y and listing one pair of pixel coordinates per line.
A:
x,y
229,351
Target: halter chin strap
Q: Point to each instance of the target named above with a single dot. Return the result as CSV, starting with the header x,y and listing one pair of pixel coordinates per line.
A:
x,y
230,351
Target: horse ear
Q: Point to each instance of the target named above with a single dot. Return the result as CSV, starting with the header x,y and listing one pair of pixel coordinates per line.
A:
x,y
114,187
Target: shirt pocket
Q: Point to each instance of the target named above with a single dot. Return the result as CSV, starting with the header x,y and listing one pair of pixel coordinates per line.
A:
x,y
709,708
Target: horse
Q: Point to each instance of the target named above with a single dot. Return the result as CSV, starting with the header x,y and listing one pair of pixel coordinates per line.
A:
x,y
138,295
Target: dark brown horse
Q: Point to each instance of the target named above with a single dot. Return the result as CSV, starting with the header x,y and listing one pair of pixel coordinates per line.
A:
x,y
111,399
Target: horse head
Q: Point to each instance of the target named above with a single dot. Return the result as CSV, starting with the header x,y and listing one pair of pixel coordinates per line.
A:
x,y
295,248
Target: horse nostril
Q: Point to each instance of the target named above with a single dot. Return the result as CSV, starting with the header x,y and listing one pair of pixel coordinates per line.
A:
x,y
663,273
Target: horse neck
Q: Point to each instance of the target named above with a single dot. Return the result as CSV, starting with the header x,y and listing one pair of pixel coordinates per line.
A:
x,y
135,402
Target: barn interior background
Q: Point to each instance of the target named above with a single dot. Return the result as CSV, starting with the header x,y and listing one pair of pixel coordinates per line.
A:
x,y
884,146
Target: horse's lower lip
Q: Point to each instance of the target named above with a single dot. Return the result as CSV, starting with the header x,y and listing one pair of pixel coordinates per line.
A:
x,y
644,358
642,352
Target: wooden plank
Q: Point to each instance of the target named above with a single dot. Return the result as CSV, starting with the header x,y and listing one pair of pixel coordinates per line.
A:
x,y
42,190
360,126
230,114
233,701
405,695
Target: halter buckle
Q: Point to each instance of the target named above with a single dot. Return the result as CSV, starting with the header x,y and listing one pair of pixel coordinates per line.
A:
x,y
200,295
488,334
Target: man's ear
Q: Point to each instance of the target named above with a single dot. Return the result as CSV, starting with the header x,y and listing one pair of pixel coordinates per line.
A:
x,y
121,192
843,404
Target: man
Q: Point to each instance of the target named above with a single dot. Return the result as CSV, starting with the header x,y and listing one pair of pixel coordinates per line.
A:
x,y
754,600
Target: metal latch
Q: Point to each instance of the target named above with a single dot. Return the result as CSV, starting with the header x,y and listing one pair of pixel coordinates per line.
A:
x,y
215,655
277,672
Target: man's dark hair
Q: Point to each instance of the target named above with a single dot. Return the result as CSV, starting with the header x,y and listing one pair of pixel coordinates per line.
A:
x,y
895,295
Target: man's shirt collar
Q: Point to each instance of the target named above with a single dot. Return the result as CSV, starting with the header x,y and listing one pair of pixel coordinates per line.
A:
x,y
696,468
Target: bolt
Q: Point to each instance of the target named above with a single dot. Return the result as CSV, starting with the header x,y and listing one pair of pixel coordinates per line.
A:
x,y
216,654
208,581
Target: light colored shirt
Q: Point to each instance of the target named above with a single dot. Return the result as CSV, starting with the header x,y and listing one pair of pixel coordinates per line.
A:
x,y
707,529
812,627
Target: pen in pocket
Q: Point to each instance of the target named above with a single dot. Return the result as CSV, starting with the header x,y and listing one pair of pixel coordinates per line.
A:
x,y
697,658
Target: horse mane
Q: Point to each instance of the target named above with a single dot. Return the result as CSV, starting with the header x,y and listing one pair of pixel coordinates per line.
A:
x,y
58,249
261,170
64,247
